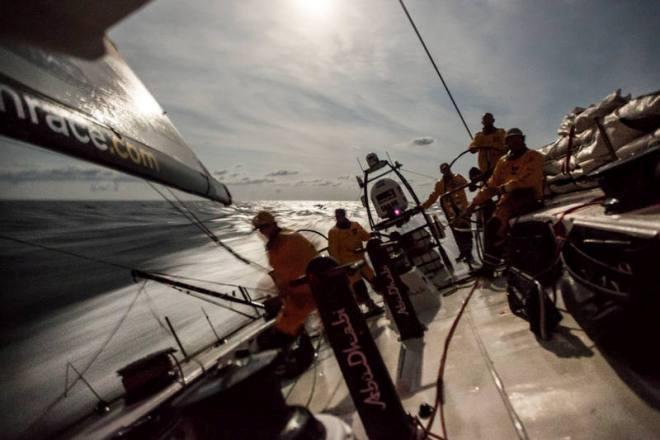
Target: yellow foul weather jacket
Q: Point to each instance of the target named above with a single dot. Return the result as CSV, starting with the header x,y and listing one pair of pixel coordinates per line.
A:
x,y
456,203
342,245
289,253
487,158
510,177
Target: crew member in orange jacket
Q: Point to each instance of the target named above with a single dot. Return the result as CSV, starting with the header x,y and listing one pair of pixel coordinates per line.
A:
x,y
288,255
345,245
489,144
518,180
454,206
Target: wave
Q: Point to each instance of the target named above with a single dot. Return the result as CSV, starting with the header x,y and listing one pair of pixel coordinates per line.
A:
x,y
59,308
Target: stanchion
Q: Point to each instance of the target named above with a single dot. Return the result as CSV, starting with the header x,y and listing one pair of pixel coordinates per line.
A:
x,y
362,366
395,292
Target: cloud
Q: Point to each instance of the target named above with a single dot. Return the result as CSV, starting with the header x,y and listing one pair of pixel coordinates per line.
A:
x,y
64,174
282,173
420,141
355,82
250,181
318,182
220,173
104,187
345,177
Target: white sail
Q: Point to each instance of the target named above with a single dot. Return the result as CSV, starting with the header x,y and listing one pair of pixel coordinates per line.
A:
x,y
78,97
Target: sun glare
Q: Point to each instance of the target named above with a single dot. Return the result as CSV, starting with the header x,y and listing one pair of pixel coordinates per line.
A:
x,y
316,8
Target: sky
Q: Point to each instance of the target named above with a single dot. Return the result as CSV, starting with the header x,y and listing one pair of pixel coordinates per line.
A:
x,y
278,98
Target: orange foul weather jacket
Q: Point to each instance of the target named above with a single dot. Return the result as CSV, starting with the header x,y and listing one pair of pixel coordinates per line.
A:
x,y
488,158
289,253
342,245
453,205
518,181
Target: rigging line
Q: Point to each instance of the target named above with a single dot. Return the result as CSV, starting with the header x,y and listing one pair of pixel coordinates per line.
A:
x,y
240,257
215,238
179,210
316,364
219,283
187,292
313,231
118,265
186,213
293,385
585,281
419,174
435,67
98,353
451,164
195,221
184,207
62,251
597,261
189,287
152,308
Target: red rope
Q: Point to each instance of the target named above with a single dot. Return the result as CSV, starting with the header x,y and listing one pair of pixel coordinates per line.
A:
x,y
439,403
561,236
566,167
559,228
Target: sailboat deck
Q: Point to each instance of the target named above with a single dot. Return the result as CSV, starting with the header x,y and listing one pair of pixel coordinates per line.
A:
x,y
578,208
500,381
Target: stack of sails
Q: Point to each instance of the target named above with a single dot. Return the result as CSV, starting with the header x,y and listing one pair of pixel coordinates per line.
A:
x,y
631,126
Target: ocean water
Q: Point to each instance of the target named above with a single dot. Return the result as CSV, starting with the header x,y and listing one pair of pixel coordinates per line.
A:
x,y
57,308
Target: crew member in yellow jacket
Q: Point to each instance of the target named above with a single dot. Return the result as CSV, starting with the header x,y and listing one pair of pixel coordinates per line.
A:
x,y
289,253
518,180
345,244
454,206
489,144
